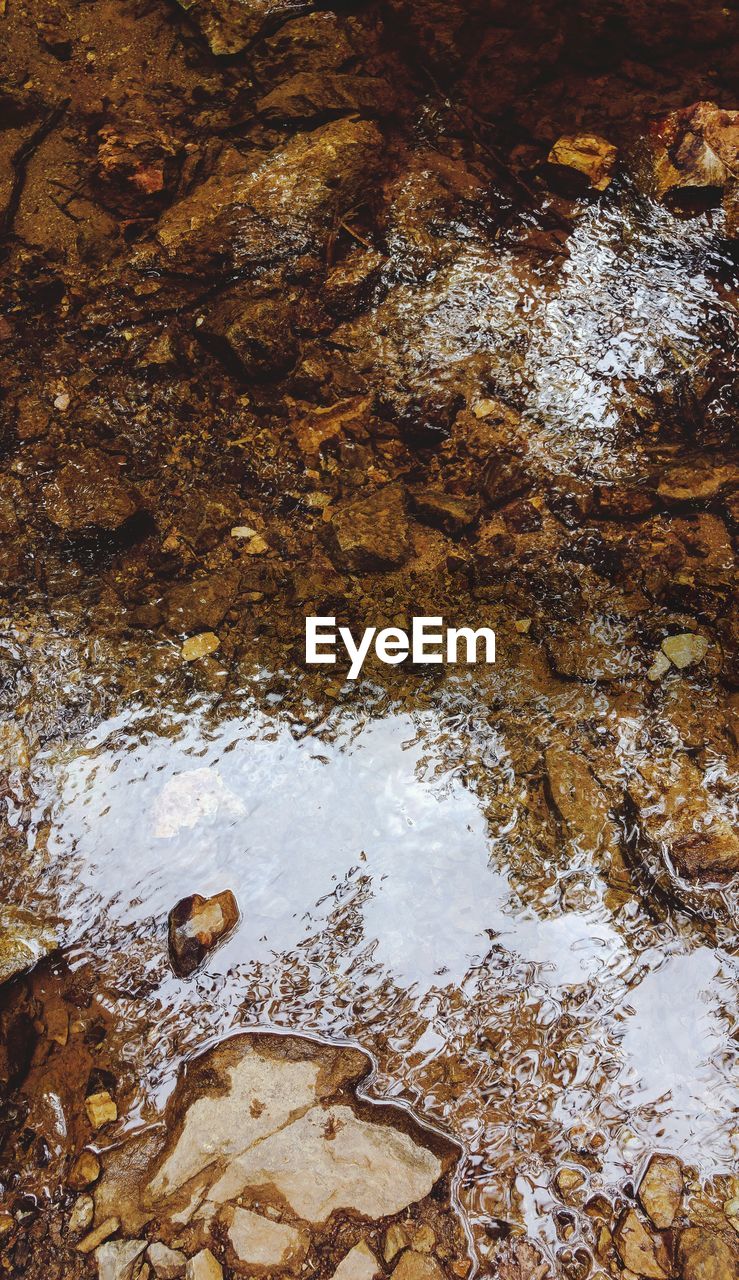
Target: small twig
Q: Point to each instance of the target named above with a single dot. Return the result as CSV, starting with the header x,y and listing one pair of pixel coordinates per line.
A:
x,y
355,234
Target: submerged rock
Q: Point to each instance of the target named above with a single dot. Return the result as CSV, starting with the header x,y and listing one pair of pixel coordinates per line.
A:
x,y
371,534
676,811
705,1255
447,510
661,1190
283,206
230,26
204,1267
271,1117
639,1249
23,941
685,650
197,926
359,1264
88,492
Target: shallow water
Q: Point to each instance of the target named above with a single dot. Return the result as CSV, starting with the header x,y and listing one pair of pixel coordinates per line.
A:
x,y
501,995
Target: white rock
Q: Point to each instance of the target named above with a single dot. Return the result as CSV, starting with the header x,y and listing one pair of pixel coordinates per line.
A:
x,y
116,1260
190,797
83,1212
166,1263
259,1242
359,1264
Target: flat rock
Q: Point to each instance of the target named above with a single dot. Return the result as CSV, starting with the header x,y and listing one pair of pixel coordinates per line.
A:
x,y
200,646
706,1255
23,941
271,1117
192,797
417,1266
639,1249
448,511
230,26
166,1263
312,95
581,804
204,1266
372,534
88,493
117,1259
359,1264
661,1190
256,335
257,1241
197,925
199,605
283,206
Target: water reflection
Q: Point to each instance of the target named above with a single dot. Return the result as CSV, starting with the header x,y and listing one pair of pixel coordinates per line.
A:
x,y
371,907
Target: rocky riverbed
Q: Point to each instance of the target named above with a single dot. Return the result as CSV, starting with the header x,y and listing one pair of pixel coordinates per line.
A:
x,y
372,310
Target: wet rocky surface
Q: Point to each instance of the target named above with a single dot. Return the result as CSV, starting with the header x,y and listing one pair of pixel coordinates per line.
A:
x,y
373,311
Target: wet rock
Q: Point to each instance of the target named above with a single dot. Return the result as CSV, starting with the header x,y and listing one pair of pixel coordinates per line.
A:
x,y
694,150
324,429
583,161
257,1241
118,1259
319,41
82,1214
197,926
520,1260
201,604
675,811
396,1238
88,492
696,482
203,1267
23,941
445,510
85,1171
685,650
200,646
101,1109
257,336
284,206
639,1249
372,534
348,286
417,1266
359,1264
135,165
230,26
273,1115
597,650
191,797
311,96
166,1263
102,1232
705,1255
580,802
504,477
661,1190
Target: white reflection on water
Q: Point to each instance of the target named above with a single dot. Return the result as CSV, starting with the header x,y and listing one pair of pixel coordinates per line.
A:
x,y
365,858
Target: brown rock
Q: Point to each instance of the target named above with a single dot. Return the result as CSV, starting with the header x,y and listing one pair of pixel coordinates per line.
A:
x,y
694,149
84,1171
349,284
88,493
325,429
311,95
118,1259
661,1190
417,1266
674,810
101,1109
585,160
256,334
640,1250
283,207
197,926
199,605
445,510
23,941
230,26
166,1263
706,1255
204,1267
371,534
